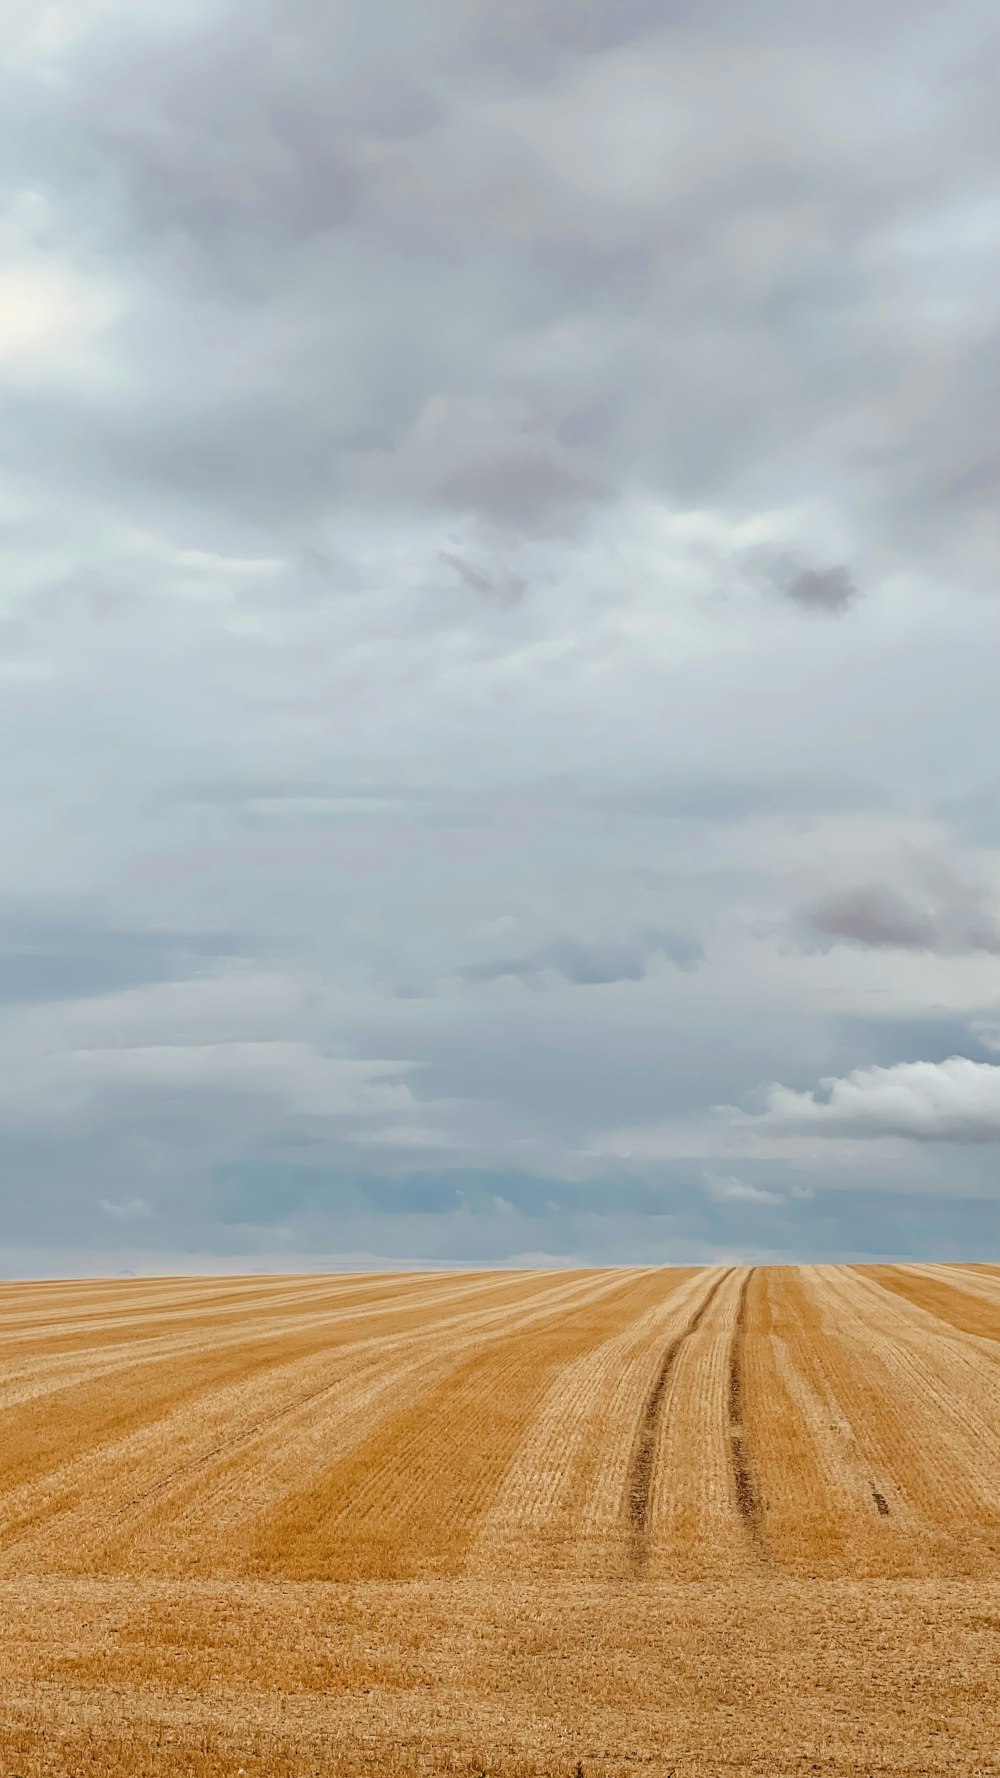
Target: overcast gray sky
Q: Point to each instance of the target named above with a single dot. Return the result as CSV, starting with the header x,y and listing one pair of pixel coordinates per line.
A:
x,y
500,632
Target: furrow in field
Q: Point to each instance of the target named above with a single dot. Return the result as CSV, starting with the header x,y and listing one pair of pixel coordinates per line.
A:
x,y
231,1507
745,1489
691,1523
129,1309
973,1280
986,1274
923,1405
599,1497
156,1371
958,1301
144,1445
639,1478
819,1476
51,1373
283,1362
534,1523
208,1471
407,1499
177,1328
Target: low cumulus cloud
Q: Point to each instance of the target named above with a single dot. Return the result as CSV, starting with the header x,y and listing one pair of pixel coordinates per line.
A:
x,y
953,1101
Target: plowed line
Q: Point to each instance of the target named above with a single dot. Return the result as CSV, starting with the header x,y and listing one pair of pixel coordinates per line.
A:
x,y
968,1311
238,1411
926,1406
744,1487
639,1486
540,1504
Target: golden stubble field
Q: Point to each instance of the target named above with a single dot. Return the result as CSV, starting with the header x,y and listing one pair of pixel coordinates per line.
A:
x,y
708,1521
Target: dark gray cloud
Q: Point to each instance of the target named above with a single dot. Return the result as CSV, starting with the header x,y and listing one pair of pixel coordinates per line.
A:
x,y
948,917
506,589
876,915
822,589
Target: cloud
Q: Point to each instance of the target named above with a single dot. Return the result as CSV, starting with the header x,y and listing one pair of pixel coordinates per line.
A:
x,y
268,1079
454,522
125,1210
504,589
593,964
987,1032
231,1053
508,467
953,1101
875,915
54,952
948,917
822,590
501,272
45,309
726,1188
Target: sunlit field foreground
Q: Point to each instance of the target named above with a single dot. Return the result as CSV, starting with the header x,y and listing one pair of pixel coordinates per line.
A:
x,y
714,1521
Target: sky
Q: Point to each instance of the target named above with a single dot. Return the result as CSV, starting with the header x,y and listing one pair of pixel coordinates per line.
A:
x,y
499,718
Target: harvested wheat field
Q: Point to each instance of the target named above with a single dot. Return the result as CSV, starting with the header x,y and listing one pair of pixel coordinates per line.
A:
x,y
708,1521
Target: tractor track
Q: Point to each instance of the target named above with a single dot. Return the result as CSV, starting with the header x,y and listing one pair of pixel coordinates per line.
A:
x,y
642,1463
745,1492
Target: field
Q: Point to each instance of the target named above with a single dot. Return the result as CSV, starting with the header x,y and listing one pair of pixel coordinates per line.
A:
x,y
709,1521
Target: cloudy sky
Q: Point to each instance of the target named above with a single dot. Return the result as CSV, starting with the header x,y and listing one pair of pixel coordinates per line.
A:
x,y
500,632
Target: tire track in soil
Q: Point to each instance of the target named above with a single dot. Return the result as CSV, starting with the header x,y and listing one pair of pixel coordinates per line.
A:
x,y
639,1484
748,1502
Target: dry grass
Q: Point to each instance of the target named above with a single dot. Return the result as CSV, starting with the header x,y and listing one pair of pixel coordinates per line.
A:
x,y
693,1521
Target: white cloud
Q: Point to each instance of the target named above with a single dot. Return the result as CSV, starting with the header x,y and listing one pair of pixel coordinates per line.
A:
x,y
953,1101
726,1188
